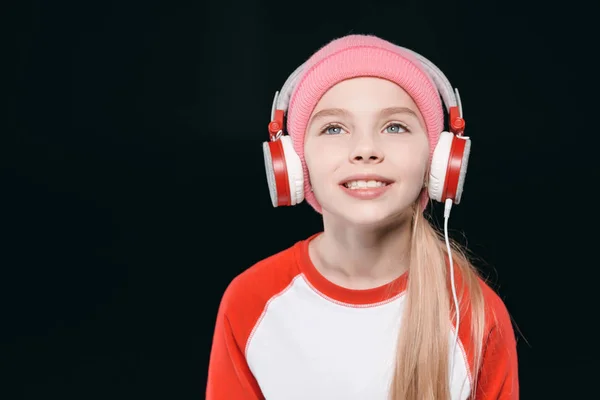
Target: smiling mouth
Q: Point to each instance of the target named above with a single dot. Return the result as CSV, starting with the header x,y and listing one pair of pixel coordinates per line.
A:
x,y
362,184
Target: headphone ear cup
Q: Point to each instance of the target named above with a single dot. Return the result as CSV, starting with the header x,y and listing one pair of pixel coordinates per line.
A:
x,y
271,152
449,167
439,165
294,170
283,168
462,173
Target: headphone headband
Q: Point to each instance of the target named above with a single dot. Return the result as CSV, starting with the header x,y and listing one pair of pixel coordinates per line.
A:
x,y
449,95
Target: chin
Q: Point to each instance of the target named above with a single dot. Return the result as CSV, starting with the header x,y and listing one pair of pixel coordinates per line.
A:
x,y
371,214
392,207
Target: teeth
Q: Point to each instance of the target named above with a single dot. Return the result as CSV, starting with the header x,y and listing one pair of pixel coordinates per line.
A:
x,y
364,184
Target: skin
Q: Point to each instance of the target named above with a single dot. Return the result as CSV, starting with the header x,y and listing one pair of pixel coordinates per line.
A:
x,y
365,243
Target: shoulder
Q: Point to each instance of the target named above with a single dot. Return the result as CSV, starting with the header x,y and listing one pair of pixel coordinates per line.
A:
x,y
262,280
480,296
498,376
498,321
247,295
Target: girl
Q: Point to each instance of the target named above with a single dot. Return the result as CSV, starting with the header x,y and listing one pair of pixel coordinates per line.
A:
x,y
378,305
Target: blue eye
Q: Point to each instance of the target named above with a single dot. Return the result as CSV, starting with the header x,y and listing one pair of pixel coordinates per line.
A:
x,y
396,128
332,130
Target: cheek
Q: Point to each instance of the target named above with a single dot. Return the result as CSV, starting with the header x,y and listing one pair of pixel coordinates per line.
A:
x,y
321,161
413,162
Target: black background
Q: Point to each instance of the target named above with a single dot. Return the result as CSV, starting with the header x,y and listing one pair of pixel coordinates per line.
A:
x,y
134,186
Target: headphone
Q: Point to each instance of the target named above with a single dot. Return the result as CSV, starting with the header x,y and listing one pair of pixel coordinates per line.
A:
x,y
449,162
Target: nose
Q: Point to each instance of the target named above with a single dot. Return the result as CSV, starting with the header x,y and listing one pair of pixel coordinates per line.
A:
x,y
367,151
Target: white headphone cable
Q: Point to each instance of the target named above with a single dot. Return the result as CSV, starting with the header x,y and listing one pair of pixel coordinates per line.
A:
x,y
447,208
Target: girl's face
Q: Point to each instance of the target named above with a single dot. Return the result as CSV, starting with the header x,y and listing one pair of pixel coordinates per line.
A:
x,y
367,151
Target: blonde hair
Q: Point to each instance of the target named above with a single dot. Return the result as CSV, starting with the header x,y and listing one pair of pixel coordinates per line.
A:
x,y
423,353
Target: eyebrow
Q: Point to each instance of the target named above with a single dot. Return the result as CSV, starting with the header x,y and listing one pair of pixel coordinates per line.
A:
x,y
340,112
386,112
329,112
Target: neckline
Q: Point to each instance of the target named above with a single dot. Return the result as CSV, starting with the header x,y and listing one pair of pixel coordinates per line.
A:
x,y
355,297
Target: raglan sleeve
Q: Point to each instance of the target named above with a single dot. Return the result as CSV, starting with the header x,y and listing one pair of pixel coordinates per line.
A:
x,y
229,377
499,374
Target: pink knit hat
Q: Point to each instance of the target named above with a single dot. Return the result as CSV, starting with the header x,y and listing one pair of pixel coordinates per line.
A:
x,y
355,56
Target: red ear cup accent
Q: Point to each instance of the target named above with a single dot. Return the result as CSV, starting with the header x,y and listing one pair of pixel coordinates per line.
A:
x,y
276,126
281,174
457,123
454,169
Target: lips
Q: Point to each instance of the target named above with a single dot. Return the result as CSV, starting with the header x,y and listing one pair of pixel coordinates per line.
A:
x,y
366,187
364,178
360,184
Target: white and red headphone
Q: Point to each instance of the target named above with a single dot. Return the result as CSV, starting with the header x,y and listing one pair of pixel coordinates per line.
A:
x,y
448,165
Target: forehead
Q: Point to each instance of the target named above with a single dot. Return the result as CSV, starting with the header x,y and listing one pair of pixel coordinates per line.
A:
x,y
365,93
366,98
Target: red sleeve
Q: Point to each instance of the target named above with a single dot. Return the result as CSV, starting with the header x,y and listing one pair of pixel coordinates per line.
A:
x,y
229,376
499,375
244,300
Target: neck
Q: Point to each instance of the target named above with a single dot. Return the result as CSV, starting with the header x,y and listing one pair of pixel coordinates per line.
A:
x,y
359,257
